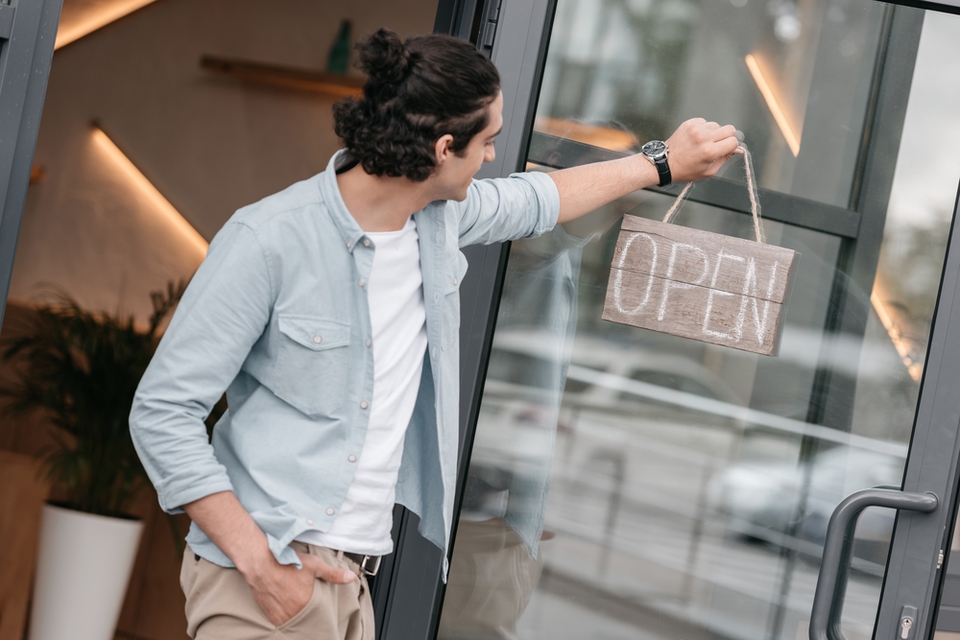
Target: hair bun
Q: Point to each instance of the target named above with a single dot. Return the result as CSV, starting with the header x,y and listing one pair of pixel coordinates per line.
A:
x,y
384,58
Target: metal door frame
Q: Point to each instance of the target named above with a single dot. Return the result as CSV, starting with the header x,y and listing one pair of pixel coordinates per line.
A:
x,y
408,596
915,569
29,29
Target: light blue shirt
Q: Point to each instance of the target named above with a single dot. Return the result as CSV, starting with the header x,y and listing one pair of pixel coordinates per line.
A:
x,y
277,317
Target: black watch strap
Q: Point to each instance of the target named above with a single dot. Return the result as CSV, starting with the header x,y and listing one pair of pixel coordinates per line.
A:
x,y
664,170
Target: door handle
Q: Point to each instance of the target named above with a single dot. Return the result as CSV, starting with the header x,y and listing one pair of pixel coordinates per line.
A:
x,y
837,548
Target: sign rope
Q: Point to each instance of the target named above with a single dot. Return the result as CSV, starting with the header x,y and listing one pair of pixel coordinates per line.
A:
x,y
751,190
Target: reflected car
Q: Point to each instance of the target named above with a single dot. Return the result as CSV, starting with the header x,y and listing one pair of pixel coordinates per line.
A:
x,y
787,504
597,371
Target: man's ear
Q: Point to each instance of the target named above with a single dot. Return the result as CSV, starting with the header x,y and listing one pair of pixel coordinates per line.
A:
x,y
442,148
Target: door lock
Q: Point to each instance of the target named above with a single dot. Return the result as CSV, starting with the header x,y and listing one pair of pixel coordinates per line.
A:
x,y
907,617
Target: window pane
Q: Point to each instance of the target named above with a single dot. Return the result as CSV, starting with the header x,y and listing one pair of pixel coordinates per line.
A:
x,y
626,483
793,76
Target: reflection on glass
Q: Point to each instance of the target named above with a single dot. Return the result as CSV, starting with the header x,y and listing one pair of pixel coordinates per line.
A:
x,y
793,76
629,484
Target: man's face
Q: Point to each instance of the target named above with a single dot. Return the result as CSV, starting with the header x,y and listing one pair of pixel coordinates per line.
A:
x,y
455,171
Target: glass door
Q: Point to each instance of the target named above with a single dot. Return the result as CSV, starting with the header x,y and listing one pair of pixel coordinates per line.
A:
x,y
628,484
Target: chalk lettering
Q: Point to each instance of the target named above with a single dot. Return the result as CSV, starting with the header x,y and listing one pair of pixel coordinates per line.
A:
x,y
618,280
749,297
714,292
668,283
714,289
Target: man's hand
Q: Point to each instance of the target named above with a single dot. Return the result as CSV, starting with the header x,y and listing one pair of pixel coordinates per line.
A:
x,y
698,148
282,591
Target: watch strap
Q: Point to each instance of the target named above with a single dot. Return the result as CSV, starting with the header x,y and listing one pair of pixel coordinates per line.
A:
x,y
663,168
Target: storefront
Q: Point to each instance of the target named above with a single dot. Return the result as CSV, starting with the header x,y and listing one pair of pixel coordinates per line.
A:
x,y
621,483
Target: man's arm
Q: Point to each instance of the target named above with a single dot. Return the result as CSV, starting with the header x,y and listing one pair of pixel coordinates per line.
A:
x,y
222,314
697,150
523,206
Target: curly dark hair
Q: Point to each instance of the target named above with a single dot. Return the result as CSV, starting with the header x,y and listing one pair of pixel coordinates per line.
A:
x,y
416,92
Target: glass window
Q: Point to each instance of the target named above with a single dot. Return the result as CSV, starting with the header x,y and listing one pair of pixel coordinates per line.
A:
x,y
794,77
626,483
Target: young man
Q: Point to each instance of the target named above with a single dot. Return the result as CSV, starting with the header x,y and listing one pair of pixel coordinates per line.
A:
x,y
329,314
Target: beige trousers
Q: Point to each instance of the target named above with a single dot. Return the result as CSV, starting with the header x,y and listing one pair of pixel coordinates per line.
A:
x,y
220,605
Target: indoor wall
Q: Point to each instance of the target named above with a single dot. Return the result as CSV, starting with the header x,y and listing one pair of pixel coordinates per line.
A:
x,y
105,215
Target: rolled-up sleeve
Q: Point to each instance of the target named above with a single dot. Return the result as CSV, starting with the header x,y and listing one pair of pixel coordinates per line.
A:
x,y
222,314
523,205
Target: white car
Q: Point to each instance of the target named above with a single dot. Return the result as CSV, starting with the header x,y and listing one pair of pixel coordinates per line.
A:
x,y
789,504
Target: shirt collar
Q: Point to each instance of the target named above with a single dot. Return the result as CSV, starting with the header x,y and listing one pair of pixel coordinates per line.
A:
x,y
350,231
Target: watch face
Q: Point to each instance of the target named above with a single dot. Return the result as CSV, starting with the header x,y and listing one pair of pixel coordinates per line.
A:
x,y
654,148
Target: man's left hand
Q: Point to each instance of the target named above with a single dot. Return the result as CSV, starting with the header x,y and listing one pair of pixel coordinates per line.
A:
x,y
698,148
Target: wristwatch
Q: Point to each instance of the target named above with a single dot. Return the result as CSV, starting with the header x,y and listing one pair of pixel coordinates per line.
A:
x,y
657,152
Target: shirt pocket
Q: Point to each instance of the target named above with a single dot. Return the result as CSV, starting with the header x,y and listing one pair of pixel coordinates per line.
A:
x,y
453,277
312,362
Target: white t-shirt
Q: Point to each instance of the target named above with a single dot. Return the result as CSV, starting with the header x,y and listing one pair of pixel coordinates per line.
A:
x,y
398,321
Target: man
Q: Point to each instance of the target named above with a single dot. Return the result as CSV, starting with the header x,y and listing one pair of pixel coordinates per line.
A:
x,y
329,313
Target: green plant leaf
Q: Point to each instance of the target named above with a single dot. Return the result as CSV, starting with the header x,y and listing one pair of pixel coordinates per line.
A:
x,y
80,370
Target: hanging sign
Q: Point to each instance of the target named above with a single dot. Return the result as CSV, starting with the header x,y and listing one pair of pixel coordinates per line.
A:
x,y
700,285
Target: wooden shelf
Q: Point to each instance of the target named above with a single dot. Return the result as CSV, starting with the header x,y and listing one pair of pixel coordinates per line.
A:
x,y
286,77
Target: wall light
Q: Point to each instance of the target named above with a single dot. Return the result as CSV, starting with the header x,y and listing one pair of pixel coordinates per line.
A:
x,y
75,25
767,92
126,168
915,369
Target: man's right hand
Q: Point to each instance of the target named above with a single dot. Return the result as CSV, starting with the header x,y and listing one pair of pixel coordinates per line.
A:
x,y
282,591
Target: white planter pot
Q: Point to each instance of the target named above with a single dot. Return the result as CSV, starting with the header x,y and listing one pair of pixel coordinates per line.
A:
x,y
83,567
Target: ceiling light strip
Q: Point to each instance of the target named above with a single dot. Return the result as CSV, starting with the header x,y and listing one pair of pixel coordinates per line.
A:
x,y
133,175
792,140
89,21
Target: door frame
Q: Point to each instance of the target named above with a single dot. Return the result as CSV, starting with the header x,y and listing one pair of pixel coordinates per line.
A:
x,y
408,595
26,54
921,542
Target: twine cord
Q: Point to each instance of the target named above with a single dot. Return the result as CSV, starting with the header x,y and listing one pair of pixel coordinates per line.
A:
x,y
751,190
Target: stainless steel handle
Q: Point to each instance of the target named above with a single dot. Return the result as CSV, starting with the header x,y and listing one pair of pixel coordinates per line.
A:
x,y
835,564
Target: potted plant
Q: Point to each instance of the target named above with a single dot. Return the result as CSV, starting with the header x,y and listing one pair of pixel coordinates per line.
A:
x,y
81,369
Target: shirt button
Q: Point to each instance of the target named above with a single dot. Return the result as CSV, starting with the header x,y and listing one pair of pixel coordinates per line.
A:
x,y
330,511
317,339
309,522
361,282
366,242
364,404
348,245
368,343
454,281
352,458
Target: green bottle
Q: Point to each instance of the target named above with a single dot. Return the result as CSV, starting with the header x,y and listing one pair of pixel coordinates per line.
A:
x,y
339,58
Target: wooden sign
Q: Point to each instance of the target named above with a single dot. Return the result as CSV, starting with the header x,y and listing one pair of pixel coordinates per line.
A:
x,y
699,285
